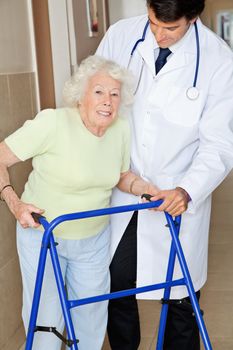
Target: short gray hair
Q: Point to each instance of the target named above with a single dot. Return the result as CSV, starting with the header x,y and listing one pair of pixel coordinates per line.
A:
x,y
75,87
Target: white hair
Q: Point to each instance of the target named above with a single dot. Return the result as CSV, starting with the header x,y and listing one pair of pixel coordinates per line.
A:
x,y
75,87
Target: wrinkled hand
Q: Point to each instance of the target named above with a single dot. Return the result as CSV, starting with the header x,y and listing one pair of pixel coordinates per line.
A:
x,y
22,212
175,201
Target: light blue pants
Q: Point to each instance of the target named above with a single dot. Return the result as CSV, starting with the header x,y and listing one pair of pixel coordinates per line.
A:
x,y
85,269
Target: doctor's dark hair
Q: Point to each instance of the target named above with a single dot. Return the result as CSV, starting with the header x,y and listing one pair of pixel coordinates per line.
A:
x,y
173,10
75,87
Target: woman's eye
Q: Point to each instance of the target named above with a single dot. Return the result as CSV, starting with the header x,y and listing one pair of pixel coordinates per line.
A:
x,y
98,92
115,93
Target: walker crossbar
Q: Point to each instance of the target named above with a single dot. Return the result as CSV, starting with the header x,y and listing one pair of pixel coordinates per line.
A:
x,y
126,293
176,250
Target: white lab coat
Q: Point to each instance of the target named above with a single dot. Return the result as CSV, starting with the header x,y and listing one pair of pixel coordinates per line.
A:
x,y
175,142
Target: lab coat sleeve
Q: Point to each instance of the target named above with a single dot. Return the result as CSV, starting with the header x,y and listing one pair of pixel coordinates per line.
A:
x,y
214,158
115,45
105,48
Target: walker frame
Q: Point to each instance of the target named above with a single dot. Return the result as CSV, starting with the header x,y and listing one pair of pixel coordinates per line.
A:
x,y
49,243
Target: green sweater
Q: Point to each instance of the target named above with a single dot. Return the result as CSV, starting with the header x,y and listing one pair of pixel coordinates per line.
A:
x,y
73,170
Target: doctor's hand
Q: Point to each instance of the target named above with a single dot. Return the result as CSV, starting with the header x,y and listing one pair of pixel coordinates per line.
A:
x,y
175,201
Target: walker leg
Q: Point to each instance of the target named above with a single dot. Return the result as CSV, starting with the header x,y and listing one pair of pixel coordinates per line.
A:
x,y
166,296
36,296
49,242
62,295
189,284
167,291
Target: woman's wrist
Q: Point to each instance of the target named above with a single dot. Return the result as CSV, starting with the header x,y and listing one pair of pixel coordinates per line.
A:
x,y
138,186
11,198
4,189
132,184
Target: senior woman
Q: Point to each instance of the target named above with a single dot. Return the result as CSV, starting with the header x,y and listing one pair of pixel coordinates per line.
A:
x,y
79,154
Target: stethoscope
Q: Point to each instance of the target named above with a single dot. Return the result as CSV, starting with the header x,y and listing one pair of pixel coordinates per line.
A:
x,y
192,92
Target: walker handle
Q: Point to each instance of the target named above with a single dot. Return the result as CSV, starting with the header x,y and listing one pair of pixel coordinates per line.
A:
x,y
147,196
37,217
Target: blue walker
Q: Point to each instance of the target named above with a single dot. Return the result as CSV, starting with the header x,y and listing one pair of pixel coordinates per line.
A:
x,y
49,243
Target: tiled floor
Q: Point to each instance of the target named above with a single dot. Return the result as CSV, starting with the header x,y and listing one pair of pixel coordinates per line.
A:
x,y
217,295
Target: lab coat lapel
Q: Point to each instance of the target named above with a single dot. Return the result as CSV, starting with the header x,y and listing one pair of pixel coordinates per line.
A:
x,y
183,56
146,50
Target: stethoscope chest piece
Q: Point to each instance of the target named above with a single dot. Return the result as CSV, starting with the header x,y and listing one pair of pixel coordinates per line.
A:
x,y
192,93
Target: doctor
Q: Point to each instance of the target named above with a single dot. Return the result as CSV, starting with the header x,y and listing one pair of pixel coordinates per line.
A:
x,y
182,141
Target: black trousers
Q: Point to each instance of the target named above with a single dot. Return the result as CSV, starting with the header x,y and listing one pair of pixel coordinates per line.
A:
x,y
181,331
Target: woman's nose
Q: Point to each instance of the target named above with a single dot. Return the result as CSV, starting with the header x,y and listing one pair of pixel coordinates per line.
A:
x,y
107,101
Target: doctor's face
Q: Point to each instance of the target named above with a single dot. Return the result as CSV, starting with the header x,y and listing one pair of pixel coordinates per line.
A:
x,y
169,33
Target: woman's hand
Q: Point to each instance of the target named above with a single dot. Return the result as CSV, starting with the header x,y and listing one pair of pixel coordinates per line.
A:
x,y
175,201
22,212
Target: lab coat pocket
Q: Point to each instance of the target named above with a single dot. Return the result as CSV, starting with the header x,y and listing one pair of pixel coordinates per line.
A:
x,y
180,110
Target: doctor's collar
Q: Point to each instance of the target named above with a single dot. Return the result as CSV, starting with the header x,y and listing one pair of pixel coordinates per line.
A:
x,y
173,48
179,43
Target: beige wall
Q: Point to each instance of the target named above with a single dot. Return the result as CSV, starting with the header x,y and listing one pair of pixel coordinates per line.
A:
x,y
86,45
123,9
17,103
14,37
43,53
212,7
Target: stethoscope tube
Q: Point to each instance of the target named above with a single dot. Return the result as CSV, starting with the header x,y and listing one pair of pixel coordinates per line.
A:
x,y
141,39
192,93
198,55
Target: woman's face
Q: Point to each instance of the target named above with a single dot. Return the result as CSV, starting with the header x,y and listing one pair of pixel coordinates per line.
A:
x,y
100,103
